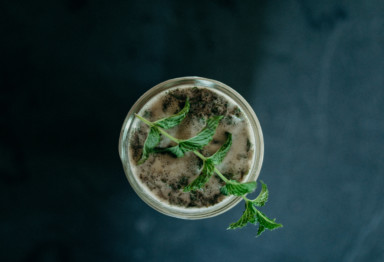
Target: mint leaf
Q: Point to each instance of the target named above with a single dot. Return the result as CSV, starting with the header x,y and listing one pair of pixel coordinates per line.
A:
x,y
249,216
265,222
238,189
152,140
197,142
176,150
174,120
260,230
203,137
220,154
262,198
203,178
254,216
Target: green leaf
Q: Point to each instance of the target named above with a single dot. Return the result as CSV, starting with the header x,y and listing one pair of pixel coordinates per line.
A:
x,y
220,154
174,120
203,178
262,198
265,222
254,216
153,139
176,150
249,216
203,137
260,230
199,141
238,189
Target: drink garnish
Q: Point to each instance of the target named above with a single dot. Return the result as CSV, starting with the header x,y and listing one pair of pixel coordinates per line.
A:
x,y
232,187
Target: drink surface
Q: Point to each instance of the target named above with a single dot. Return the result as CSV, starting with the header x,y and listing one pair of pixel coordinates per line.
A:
x,y
165,176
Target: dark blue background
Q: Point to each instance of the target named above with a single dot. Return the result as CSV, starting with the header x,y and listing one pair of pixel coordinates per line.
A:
x,y
70,70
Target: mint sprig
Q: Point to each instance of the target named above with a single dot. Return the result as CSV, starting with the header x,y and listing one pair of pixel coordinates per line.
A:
x,y
232,187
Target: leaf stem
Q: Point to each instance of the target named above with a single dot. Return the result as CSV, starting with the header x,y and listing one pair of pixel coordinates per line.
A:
x,y
174,139
221,176
144,120
200,155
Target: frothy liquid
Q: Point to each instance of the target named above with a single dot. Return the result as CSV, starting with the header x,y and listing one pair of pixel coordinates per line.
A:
x,y
164,175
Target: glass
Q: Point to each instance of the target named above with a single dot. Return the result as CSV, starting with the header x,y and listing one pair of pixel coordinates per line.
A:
x,y
183,212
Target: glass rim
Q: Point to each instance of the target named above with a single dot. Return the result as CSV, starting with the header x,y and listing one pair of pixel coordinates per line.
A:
x,y
183,212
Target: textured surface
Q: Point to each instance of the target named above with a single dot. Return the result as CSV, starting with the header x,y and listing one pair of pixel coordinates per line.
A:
x,y
70,70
